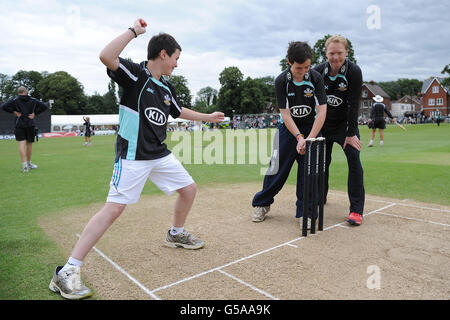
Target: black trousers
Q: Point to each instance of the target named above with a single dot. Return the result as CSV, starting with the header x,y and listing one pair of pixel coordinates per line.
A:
x,y
355,180
283,157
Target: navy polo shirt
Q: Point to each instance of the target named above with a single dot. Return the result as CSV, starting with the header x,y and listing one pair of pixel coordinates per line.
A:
x,y
301,98
144,110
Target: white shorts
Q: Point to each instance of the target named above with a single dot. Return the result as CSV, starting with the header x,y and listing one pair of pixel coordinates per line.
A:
x,y
129,177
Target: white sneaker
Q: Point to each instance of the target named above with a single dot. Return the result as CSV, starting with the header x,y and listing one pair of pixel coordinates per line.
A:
x,y
260,214
32,166
381,143
68,283
184,240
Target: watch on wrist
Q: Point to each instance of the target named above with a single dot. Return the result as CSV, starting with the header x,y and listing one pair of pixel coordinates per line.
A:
x,y
134,31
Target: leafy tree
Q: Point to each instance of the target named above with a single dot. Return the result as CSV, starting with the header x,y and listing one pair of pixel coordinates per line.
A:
x,y
65,90
206,100
267,85
94,104
252,98
444,71
401,87
183,93
110,103
208,95
4,80
229,98
200,106
318,53
28,79
284,64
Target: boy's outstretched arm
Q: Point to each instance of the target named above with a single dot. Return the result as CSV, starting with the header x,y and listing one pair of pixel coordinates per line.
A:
x,y
189,114
110,54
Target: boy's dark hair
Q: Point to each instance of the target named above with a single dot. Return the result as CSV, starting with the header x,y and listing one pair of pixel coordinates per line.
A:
x,y
162,41
299,52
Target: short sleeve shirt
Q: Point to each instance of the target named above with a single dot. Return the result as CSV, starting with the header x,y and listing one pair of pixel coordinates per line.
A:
x,y
301,98
144,110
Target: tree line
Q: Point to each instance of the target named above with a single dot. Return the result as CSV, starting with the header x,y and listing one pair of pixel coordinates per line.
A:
x,y
237,95
65,90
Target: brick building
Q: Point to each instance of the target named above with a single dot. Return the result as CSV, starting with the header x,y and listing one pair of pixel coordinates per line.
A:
x,y
435,97
368,91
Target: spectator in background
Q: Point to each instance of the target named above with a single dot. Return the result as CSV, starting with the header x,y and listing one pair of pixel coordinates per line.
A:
x,y
377,120
87,131
25,108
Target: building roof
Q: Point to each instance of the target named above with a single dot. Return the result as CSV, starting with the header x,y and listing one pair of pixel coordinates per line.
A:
x,y
427,83
414,99
376,89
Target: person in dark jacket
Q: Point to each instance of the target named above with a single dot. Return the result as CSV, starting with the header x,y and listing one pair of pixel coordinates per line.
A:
x,y
377,119
87,131
25,108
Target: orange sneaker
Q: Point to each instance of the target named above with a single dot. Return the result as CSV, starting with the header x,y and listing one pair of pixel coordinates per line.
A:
x,y
354,218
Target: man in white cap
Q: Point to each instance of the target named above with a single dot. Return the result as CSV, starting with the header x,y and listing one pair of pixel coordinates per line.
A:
x,y
377,119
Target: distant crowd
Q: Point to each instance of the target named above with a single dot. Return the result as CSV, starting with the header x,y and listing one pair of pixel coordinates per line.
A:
x,y
362,120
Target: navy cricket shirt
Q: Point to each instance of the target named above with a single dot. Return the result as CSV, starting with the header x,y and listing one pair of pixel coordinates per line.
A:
x,y
144,111
343,91
301,98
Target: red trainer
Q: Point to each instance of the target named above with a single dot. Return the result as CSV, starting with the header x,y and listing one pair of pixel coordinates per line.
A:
x,y
354,218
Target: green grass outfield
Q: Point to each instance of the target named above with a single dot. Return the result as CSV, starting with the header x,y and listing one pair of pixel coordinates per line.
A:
x,y
414,164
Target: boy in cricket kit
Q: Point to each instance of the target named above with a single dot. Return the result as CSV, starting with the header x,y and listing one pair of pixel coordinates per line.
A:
x,y
302,102
147,101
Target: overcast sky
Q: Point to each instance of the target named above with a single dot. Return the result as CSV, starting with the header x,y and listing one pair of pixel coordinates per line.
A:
x,y
392,39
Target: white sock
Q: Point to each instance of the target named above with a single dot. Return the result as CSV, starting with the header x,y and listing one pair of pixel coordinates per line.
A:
x,y
371,142
174,230
70,263
24,164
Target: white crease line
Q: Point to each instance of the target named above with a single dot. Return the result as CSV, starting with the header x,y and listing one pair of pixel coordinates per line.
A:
x,y
370,199
340,225
400,204
378,210
249,285
292,245
251,256
420,207
115,265
415,219
224,266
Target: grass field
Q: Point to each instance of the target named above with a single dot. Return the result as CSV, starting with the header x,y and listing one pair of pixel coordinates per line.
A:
x,y
413,164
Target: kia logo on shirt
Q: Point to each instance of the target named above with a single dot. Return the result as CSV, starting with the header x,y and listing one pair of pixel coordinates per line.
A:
x,y
334,101
155,116
300,111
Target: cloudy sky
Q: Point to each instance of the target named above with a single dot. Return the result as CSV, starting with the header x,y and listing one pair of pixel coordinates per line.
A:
x,y
392,39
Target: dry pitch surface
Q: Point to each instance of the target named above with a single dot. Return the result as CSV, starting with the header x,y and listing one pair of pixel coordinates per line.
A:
x,y
402,250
